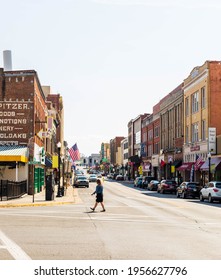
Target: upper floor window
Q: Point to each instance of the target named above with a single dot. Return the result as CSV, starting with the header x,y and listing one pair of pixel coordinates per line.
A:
x,y
156,148
144,137
203,130
187,106
150,150
150,134
156,131
125,145
203,97
195,102
195,132
187,134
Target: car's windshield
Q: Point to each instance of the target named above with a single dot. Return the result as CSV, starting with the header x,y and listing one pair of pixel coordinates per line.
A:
x,y
218,185
81,178
170,182
192,185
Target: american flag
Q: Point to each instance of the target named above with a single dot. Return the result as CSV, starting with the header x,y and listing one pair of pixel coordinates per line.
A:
x,y
74,152
198,162
162,163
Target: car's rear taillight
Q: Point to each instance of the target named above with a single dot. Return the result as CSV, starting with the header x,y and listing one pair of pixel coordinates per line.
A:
x,y
215,190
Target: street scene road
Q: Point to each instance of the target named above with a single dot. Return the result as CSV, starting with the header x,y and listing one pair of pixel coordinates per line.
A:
x,y
137,224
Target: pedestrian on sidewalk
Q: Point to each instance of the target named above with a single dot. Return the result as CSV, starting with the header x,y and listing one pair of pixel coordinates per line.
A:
x,y
99,196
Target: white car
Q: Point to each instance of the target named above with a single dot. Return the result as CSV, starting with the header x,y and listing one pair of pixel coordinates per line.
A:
x,y
92,178
212,191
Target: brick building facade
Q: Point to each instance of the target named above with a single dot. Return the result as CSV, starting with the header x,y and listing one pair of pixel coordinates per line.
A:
x,y
23,120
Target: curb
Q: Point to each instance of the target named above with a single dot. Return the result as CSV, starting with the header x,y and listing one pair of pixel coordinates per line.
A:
x,y
73,200
34,204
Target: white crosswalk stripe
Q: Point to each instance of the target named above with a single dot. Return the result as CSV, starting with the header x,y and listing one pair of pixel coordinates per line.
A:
x,y
13,248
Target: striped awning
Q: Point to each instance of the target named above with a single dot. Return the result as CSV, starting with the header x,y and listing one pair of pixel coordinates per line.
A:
x,y
13,153
186,166
215,163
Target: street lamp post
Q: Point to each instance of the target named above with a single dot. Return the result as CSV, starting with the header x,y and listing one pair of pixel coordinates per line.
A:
x,y
62,189
209,158
59,171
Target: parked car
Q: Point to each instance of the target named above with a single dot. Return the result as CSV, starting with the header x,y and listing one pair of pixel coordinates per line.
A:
x,y
92,178
167,185
212,191
138,182
77,172
188,189
115,175
119,178
110,175
81,181
76,176
146,181
152,186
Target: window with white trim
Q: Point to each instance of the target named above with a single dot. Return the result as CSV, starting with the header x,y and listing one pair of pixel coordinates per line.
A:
x,y
203,97
203,130
187,106
195,132
187,134
195,102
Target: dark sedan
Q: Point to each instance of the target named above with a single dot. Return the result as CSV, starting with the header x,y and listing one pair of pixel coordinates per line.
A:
x,y
81,181
188,189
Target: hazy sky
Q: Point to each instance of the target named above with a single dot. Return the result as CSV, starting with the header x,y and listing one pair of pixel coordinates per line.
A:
x,y
111,60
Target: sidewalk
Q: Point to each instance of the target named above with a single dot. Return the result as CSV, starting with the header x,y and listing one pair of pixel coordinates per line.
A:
x,y
70,197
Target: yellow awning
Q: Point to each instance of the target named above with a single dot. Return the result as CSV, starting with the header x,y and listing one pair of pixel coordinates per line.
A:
x,y
13,153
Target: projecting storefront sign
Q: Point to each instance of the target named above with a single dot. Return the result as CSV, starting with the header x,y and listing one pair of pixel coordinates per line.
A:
x,y
212,140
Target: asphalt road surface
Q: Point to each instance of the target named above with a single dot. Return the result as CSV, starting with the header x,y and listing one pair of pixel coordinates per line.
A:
x,y
137,225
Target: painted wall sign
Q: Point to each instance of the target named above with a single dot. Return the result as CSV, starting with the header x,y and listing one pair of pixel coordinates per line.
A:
x,y
15,117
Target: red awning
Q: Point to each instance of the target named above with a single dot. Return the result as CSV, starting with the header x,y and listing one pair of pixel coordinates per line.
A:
x,y
185,166
199,165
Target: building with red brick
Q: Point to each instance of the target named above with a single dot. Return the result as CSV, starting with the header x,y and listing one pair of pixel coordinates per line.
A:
x,y
171,133
24,114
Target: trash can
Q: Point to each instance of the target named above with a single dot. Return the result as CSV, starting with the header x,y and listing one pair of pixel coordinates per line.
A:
x,y
49,193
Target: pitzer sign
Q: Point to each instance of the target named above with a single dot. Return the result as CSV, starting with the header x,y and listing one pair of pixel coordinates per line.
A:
x,y
15,120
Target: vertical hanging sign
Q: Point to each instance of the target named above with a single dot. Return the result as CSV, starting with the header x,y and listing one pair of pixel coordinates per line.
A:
x,y
49,124
212,140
